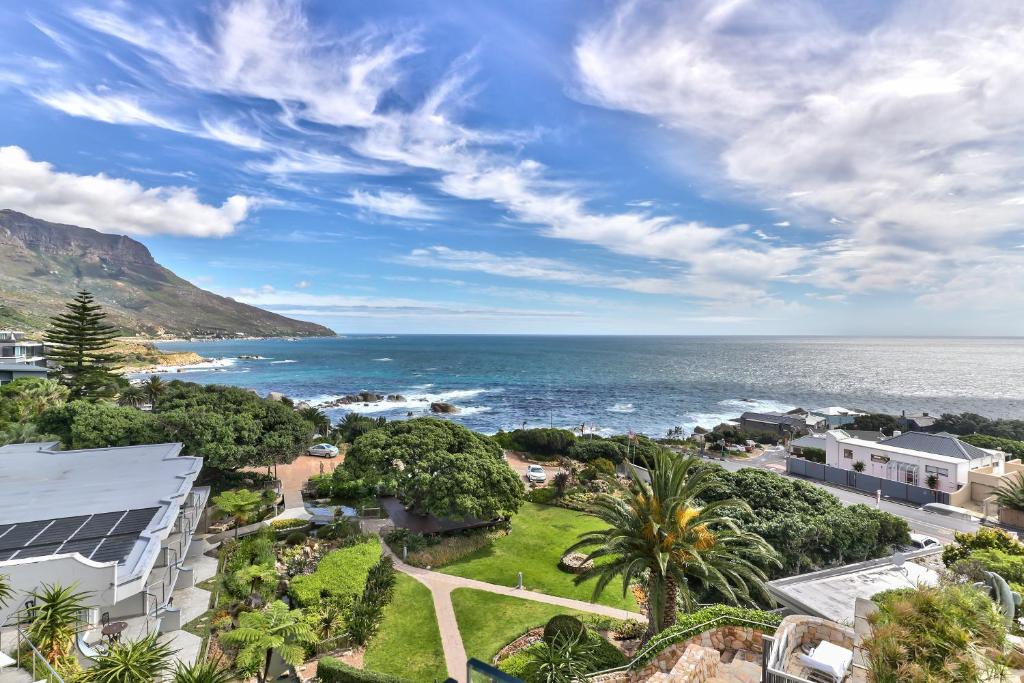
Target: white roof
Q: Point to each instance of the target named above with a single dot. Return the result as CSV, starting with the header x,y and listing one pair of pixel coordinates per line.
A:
x,y
832,593
837,410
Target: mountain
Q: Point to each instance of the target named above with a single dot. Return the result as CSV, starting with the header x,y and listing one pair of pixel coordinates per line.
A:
x,y
43,264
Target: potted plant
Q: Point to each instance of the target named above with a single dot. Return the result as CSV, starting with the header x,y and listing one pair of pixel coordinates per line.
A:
x,y
858,466
932,481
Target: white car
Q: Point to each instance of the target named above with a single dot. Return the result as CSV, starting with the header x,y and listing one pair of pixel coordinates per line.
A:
x,y
536,474
323,450
920,542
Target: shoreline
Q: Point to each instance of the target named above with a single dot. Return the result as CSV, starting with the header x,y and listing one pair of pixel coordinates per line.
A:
x,y
163,369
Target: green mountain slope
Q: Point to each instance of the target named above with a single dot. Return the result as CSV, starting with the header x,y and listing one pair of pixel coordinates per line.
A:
x,y
43,264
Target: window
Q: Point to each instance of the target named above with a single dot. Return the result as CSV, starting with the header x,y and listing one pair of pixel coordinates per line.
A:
x,y
848,453
941,471
879,458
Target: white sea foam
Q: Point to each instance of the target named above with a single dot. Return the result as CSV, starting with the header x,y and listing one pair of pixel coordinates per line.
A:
x,y
730,410
384,360
621,408
278,362
205,366
415,402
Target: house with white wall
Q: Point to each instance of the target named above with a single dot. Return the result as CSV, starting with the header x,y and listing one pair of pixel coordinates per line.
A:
x,y
911,457
116,523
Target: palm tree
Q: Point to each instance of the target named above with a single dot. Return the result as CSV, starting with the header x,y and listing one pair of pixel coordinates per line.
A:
x,y
24,432
240,504
1011,493
154,388
36,395
208,671
5,590
55,620
316,417
261,633
132,396
660,536
137,661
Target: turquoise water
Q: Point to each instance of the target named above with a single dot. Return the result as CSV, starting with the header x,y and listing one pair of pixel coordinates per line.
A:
x,y
615,384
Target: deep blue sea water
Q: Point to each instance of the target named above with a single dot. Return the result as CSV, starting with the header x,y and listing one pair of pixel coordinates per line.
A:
x,y
616,384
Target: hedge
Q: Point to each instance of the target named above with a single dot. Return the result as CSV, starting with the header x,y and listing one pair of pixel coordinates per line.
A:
x,y
694,623
340,572
331,670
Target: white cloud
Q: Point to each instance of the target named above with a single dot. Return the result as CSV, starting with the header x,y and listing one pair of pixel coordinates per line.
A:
x,y
911,131
122,109
111,204
302,284
397,204
229,132
782,224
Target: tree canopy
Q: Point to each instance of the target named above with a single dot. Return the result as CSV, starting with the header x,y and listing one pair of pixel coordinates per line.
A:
x,y
437,467
78,342
972,423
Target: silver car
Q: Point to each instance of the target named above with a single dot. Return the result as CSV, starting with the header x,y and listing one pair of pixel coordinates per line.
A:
x,y
536,474
323,450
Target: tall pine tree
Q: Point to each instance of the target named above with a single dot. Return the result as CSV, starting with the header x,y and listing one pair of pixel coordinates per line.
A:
x,y
79,343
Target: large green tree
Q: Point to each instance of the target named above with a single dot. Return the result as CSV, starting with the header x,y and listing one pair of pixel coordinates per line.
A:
x,y
79,343
437,467
661,536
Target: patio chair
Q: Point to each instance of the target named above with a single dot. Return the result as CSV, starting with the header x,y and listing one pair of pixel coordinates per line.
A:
x,y
829,663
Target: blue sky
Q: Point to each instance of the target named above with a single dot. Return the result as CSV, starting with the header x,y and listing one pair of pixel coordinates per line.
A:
x,y
729,167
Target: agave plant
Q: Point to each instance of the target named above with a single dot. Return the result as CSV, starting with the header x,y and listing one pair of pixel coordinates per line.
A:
x,y
209,671
567,658
138,661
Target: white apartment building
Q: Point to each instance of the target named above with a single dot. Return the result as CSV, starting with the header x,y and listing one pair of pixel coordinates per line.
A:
x,y
115,522
911,457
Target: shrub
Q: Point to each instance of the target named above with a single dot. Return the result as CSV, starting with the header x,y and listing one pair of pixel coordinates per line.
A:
x,y
544,495
331,670
257,549
984,539
341,529
518,664
564,626
282,524
295,538
340,573
628,629
543,441
413,542
450,549
363,614
933,633
592,448
603,466
813,454
606,655
693,623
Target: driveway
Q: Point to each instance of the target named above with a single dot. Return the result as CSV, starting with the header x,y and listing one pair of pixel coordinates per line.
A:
x,y
294,476
516,462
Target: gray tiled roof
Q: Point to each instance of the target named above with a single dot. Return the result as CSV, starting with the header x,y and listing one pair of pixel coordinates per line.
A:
x,y
810,441
938,444
771,418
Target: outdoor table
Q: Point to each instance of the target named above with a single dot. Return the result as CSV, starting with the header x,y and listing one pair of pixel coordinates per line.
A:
x,y
112,631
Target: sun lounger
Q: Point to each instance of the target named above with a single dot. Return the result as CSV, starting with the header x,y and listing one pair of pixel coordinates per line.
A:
x,y
829,659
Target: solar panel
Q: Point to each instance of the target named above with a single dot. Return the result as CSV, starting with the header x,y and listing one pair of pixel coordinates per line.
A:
x,y
134,521
114,549
60,530
22,534
85,546
4,528
37,550
100,525
6,555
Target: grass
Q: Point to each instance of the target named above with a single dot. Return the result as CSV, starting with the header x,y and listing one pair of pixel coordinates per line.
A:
x,y
408,643
489,622
540,535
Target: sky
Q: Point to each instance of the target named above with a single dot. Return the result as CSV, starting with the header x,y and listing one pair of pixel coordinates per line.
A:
x,y
593,167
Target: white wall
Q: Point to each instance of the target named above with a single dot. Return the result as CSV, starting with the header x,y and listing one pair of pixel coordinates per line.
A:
x,y
30,574
862,451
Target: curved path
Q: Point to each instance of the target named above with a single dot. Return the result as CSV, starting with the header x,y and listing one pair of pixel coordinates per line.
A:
x,y
441,586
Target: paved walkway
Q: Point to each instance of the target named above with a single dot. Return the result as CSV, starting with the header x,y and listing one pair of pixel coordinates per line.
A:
x,y
441,586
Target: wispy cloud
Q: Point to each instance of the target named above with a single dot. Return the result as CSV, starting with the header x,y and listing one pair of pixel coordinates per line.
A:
x,y
111,204
109,108
395,204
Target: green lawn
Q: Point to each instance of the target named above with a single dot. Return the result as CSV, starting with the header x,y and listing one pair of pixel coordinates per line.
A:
x,y
540,535
489,622
408,643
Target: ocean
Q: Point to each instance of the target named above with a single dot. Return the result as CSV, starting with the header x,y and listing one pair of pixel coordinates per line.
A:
x,y
618,384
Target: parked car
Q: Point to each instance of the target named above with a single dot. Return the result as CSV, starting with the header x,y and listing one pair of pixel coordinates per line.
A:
x,y
323,450
948,511
536,474
920,542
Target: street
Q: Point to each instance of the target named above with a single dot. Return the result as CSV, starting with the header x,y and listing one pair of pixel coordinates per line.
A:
x,y
929,523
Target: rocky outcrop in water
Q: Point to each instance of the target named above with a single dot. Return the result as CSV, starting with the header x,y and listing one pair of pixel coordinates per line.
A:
x,y
446,408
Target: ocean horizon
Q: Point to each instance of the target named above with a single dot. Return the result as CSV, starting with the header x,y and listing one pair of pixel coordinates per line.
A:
x,y
619,383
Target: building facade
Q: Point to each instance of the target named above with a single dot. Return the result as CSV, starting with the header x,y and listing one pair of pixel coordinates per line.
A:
x,y
911,458
116,523
14,348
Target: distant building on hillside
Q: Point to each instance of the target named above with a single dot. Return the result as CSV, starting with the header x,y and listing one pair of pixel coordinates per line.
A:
x,y
783,425
12,371
911,457
837,416
14,348
916,423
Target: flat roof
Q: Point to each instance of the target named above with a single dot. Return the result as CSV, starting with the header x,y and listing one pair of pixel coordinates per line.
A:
x,y
124,499
22,367
832,593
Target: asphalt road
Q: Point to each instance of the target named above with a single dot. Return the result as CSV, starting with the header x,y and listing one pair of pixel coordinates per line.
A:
x,y
929,523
